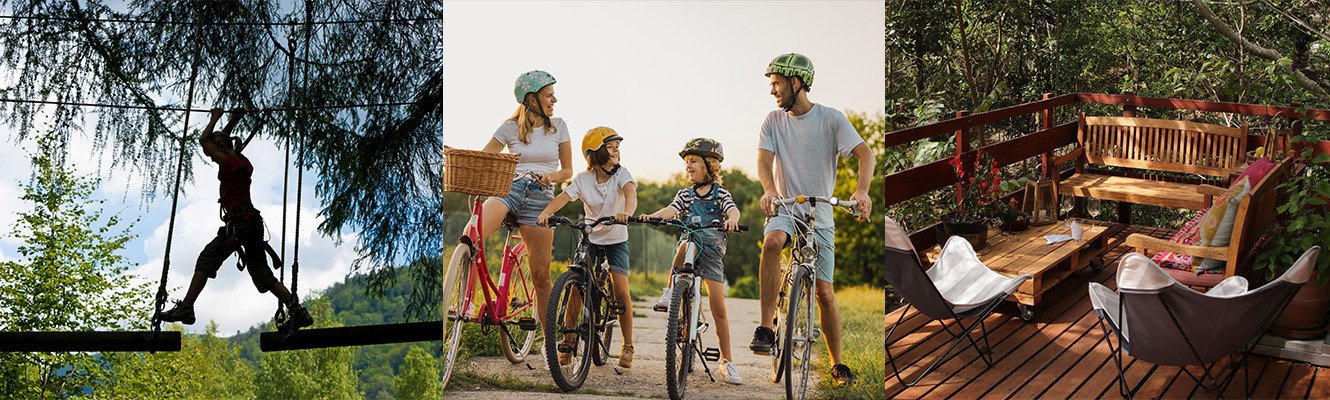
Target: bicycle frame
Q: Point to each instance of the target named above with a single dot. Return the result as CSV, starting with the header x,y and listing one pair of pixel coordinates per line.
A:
x,y
494,310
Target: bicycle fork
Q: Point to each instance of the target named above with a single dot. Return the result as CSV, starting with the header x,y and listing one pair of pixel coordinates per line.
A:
x,y
696,323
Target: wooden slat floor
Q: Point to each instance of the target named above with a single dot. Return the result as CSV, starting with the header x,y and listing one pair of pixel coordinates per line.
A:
x,y
1062,354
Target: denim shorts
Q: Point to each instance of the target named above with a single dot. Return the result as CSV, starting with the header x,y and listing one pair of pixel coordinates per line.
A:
x,y
616,254
526,199
826,243
707,263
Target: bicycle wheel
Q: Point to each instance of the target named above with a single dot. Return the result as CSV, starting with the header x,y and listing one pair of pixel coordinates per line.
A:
x,y
678,351
516,342
454,292
799,335
568,291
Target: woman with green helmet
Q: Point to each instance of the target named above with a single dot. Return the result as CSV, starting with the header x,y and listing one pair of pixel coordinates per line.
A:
x,y
546,152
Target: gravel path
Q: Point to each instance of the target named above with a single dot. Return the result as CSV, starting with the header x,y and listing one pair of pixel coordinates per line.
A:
x,y
647,377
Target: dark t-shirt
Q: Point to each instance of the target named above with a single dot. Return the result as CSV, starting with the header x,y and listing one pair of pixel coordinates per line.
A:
x,y
235,180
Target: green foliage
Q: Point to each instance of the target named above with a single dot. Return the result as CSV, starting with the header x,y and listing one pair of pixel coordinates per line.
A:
x,y
859,251
70,276
1305,219
378,168
745,288
205,367
419,378
307,374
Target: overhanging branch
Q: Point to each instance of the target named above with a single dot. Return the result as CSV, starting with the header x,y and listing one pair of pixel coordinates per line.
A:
x,y
1258,50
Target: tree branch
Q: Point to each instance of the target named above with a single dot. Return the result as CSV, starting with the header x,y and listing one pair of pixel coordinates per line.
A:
x,y
1258,50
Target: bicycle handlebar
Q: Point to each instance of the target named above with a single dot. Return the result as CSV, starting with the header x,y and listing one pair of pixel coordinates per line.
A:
x,y
848,205
714,224
556,220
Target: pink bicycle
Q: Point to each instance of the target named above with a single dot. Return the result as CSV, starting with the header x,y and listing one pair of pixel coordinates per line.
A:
x,y
507,303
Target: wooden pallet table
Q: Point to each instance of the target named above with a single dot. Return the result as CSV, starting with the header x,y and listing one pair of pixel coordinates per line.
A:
x,y
1026,252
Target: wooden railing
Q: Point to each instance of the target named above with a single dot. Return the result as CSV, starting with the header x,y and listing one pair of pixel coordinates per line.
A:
x,y
920,180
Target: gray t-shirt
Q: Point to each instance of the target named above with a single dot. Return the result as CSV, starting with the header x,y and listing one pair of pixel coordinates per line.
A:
x,y
806,149
542,154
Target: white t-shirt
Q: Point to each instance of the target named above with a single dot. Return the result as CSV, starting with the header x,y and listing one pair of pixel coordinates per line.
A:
x,y
806,149
542,154
602,200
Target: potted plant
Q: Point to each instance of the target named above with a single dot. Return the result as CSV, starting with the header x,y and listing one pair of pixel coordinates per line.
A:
x,y
1304,221
1013,219
976,194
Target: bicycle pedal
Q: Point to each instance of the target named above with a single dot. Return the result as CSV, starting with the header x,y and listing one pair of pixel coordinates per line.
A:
x,y
616,308
527,323
660,309
711,354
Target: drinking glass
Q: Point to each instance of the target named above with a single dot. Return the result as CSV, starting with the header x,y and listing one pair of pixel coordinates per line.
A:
x,y
1092,207
1067,202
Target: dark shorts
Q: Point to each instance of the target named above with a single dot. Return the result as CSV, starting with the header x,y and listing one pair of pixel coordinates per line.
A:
x,y
614,254
247,234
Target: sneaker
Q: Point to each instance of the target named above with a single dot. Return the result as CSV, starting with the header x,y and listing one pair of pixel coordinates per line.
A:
x,y
626,356
182,313
842,374
731,373
663,304
566,352
763,338
298,318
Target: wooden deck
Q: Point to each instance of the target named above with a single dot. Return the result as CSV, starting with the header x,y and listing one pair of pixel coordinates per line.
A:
x,y
1062,354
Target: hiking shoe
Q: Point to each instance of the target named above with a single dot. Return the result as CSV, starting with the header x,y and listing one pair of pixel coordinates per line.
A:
x,y
663,304
731,373
763,338
566,352
298,318
182,313
842,374
626,356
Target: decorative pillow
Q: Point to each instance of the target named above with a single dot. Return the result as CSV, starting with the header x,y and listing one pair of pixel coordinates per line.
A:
x,y
1256,172
1217,227
1189,234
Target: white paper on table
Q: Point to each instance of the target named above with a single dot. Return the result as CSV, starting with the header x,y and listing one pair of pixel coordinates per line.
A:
x,y
1076,231
1057,238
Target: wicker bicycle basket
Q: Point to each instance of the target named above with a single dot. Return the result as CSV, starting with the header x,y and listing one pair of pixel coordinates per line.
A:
x,y
477,172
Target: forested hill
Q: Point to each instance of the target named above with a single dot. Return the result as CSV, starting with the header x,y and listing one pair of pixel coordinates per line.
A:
x,y
375,366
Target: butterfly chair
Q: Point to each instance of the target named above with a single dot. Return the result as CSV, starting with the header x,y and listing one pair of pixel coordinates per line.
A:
x,y
957,286
1156,319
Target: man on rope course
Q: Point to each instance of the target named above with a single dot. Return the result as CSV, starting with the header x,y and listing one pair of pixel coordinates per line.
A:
x,y
241,233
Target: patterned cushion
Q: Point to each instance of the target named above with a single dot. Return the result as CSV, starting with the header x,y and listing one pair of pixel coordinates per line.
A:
x,y
1189,234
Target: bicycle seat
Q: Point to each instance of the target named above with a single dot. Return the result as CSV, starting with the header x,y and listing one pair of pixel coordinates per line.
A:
x,y
510,221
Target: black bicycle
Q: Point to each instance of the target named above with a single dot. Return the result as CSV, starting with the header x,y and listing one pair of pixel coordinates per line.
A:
x,y
582,312
686,322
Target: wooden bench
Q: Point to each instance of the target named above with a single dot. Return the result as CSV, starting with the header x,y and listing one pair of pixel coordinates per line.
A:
x,y
1154,145
1254,214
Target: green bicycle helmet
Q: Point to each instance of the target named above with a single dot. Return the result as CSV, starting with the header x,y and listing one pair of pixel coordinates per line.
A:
x,y
792,64
531,82
703,147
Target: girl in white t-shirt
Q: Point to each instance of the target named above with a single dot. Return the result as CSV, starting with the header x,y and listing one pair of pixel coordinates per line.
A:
x,y
606,189
546,158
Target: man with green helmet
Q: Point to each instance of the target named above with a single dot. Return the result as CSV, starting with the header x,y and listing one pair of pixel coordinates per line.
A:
x,y
798,150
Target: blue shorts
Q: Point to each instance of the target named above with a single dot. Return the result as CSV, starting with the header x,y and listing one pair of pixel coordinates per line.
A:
x,y
616,254
526,199
707,262
826,243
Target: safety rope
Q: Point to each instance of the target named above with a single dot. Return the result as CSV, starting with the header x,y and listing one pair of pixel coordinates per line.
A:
x,y
175,198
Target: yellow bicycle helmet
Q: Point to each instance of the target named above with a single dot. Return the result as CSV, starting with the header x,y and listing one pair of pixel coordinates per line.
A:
x,y
596,138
